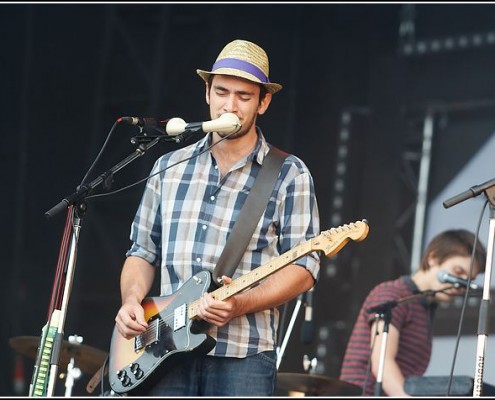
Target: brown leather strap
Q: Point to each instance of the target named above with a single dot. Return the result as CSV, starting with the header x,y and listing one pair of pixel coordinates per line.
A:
x,y
97,377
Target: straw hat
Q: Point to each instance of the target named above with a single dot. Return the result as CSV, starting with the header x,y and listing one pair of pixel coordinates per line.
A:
x,y
243,59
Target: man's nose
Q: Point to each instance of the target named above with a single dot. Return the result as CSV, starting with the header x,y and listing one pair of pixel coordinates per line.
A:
x,y
230,104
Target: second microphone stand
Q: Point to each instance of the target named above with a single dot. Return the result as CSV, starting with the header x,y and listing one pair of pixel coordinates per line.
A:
x,y
488,188
384,312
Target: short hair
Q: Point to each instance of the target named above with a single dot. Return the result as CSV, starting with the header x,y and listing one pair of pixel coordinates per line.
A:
x,y
451,243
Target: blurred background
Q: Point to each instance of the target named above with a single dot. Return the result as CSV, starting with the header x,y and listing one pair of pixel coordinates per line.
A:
x,y
392,107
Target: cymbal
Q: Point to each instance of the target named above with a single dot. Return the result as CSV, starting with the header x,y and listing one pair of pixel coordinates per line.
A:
x,y
86,358
316,385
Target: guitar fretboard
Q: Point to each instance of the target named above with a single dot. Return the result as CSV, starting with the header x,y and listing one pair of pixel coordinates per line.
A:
x,y
329,241
256,275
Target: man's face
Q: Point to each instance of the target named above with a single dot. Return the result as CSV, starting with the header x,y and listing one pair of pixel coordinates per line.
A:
x,y
239,96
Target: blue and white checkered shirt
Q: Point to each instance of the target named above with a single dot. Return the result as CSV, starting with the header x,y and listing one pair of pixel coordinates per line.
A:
x,y
187,212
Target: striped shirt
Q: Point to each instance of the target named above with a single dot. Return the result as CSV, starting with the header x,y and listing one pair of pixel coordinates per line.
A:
x,y
413,320
188,211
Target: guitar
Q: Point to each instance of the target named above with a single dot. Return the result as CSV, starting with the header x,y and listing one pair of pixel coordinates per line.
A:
x,y
41,373
174,333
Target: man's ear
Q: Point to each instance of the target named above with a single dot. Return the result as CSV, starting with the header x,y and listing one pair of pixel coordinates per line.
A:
x,y
264,103
432,260
207,94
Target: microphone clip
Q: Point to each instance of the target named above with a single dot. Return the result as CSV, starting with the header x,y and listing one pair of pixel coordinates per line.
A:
x,y
145,138
138,139
383,307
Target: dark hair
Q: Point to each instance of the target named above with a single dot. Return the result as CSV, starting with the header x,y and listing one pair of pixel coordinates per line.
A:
x,y
263,89
454,242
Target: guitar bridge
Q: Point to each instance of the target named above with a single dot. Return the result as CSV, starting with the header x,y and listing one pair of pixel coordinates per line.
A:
x,y
148,338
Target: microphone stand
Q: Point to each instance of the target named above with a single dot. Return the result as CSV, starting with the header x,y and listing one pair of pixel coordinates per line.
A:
x,y
488,188
307,330
76,205
384,312
281,349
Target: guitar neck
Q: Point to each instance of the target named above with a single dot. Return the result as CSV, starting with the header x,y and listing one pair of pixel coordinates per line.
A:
x,y
256,275
329,242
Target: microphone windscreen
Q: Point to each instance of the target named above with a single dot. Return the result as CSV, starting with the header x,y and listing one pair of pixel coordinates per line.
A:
x,y
175,126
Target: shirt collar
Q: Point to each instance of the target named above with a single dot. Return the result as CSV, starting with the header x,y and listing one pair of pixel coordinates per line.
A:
x,y
259,153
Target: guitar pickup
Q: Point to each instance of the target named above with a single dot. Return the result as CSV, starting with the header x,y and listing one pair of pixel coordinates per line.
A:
x,y
180,317
148,338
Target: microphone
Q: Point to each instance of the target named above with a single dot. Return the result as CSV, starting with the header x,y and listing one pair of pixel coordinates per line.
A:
x,y
226,123
445,277
146,122
307,329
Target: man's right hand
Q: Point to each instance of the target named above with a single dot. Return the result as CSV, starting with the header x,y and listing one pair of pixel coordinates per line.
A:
x,y
130,320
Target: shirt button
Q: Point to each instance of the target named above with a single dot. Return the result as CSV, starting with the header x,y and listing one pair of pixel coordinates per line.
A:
x,y
212,198
198,259
204,227
216,166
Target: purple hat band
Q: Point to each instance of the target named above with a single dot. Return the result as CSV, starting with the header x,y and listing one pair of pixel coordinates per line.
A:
x,y
243,66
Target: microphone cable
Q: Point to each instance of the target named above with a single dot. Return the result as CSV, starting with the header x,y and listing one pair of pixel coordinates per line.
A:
x,y
100,153
158,172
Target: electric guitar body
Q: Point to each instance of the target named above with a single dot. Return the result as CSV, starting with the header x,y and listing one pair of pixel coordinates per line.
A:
x,y
171,336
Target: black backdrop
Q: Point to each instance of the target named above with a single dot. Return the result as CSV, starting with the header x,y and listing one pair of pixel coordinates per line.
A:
x,y
69,71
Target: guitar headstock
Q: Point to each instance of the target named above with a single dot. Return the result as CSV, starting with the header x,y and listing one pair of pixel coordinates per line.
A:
x,y
332,240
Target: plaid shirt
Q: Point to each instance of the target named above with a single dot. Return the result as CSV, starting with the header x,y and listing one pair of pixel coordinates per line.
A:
x,y
187,212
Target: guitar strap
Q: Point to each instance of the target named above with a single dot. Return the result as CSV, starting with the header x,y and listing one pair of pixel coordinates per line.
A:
x,y
250,214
